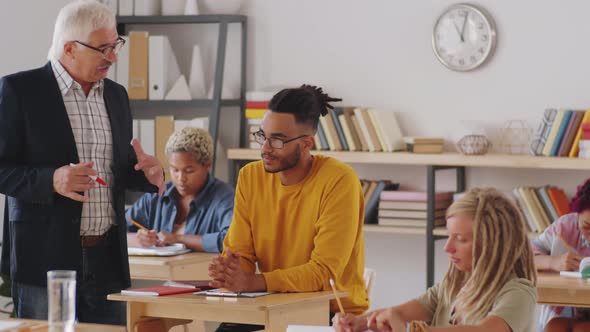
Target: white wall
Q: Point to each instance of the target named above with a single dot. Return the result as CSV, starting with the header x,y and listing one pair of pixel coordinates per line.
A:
x,y
378,53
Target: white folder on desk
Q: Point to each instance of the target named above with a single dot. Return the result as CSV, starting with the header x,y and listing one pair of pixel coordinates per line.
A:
x,y
171,250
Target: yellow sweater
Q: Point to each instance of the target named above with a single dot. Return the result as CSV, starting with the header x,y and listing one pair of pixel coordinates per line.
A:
x,y
304,234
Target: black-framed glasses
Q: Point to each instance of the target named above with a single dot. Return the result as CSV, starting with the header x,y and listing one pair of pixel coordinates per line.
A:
x,y
108,50
275,143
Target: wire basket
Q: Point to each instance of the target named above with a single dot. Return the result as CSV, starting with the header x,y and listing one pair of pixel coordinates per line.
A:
x,y
473,145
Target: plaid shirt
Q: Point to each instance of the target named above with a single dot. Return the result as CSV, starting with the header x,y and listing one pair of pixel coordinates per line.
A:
x,y
92,132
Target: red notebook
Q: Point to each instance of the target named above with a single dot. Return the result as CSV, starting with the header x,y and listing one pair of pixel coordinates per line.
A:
x,y
158,291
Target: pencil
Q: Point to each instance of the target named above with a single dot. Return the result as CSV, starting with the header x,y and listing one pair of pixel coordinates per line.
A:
x,y
569,249
140,226
337,298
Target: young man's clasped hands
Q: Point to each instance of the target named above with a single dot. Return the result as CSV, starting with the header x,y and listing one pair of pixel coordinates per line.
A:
x,y
227,272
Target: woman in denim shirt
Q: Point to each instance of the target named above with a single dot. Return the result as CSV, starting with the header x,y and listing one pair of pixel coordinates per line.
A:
x,y
196,209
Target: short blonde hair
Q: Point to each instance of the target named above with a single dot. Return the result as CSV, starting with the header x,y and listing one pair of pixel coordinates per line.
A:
x,y
195,141
76,21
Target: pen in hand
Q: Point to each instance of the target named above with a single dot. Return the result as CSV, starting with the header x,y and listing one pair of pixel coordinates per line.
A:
x,y
336,295
93,177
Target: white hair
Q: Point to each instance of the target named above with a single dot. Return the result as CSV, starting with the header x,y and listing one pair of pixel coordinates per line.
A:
x,y
76,21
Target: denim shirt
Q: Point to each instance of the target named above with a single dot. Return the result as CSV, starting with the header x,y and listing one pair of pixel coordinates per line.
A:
x,y
210,212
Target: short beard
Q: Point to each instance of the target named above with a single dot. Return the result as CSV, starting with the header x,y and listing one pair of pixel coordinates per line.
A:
x,y
287,163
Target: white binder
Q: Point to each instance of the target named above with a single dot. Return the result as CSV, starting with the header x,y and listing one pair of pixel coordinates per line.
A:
x,y
122,68
163,68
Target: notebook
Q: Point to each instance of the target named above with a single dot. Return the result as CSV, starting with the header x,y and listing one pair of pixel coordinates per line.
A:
x,y
9,325
157,291
227,293
171,250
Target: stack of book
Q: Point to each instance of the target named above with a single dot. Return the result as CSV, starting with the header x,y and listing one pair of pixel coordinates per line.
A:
x,y
359,129
424,144
409,208
559,133
541,206
372,191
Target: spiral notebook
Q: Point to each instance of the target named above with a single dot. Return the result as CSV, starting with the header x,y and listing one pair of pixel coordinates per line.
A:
x,y
227,293
171,250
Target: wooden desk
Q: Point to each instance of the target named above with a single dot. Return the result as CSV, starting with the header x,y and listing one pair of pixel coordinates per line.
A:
x,y
275,311
561,291
190,266
43,326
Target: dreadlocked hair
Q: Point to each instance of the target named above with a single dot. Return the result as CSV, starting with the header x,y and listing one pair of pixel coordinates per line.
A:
x,y
501,251
307,103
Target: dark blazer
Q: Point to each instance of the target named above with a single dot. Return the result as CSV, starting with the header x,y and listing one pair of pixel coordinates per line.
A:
x,y
41,227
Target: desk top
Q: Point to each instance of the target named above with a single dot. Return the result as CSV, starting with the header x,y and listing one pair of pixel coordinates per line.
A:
x,y
554,289
183,259
254,304
43,326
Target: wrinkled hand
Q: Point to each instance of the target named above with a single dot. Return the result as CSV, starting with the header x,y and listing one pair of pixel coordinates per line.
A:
x,y
386,320
227,272
349,323
566,262
150,165
165,238
69,181
147,238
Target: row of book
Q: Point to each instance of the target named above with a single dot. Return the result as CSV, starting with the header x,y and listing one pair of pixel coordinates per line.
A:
x,y
148,68
410,208
372,192
541,205
559,133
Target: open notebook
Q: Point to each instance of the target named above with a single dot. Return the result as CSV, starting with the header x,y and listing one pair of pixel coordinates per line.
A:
x,y
171,250
10,325
227,293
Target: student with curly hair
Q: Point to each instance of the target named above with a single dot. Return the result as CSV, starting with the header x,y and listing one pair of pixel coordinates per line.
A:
x,y
490,283
552,255
196,208
298,216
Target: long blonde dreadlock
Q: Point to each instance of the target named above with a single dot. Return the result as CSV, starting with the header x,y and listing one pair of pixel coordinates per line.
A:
x,y
501,251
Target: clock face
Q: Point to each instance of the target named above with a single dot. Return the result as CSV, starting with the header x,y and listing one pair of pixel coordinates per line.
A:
x,y
464,37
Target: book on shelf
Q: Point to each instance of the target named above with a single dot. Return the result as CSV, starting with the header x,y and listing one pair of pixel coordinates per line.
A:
x,y
253,104
520,202
391,132
410,214
338,126
356,128
347,133
539,208
553,133
570,133
364,130
560,132
157,291
330,126
406,222
546,202
408,205
414,196
138,68
575,147
560,201
322,142
538,142
255,113
330,136
372,198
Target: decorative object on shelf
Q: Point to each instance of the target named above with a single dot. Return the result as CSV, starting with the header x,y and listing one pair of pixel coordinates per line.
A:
x,y
473,144
515,137
191,7
173,7
222,6
197,76
147,7
464,37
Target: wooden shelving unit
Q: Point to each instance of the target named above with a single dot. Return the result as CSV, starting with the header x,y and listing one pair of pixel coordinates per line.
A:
x,y
432,163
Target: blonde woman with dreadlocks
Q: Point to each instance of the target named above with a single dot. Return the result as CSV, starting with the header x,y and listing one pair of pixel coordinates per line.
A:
x,y
490,284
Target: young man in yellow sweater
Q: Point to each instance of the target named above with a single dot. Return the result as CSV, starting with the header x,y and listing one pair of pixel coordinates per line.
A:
x,y
298,216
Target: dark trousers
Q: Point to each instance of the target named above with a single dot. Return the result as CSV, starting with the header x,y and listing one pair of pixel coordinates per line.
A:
x,y
234,327
100,274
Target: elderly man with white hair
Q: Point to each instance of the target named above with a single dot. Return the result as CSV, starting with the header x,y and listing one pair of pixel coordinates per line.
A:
x,y
62,126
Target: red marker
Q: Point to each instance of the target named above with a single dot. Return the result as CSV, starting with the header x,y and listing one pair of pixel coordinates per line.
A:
x,y
94,178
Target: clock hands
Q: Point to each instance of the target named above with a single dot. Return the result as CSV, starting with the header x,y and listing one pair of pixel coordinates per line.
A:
x,y
463,27
458,32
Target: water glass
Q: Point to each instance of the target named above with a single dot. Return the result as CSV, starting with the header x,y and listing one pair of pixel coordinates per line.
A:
x,y
61,294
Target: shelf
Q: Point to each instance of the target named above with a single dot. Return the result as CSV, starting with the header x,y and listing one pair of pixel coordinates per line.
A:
x,y
194,103
180,19
368,228
442,159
